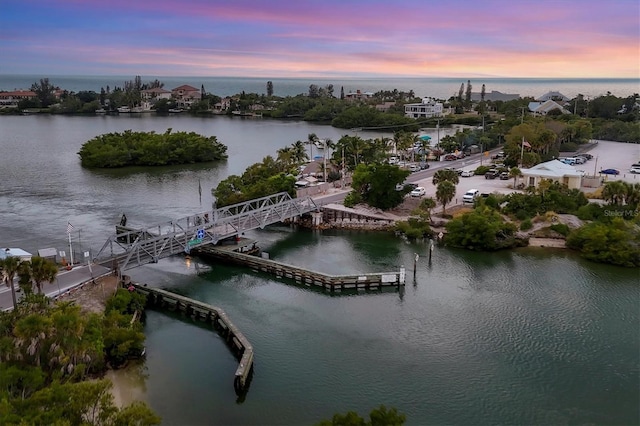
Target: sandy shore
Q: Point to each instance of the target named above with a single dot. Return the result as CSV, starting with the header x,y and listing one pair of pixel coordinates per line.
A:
x,y
547,242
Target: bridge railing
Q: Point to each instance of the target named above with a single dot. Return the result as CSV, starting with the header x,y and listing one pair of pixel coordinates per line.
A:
x,y
160,240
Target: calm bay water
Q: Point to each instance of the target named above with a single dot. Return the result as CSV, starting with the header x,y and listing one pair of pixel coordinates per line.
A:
x,y
440,88
526,337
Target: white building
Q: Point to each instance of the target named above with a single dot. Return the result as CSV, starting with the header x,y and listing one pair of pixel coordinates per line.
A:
x,y
15,252
554,170
426,109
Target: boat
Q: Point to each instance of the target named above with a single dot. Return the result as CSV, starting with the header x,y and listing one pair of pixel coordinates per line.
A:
x,y
319,143
101,111
124,109
175,110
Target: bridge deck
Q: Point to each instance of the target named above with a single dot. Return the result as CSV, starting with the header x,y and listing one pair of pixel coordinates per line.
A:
x,y
135,247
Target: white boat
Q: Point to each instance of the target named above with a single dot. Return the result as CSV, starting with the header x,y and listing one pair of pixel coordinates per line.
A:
x,y
319,143
175,110
101,111
124,109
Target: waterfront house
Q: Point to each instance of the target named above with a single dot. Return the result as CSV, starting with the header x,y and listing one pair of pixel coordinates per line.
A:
x,y
358,96
185,95
428,108
554,170
493,96
543,108
11,99
151,96
553,96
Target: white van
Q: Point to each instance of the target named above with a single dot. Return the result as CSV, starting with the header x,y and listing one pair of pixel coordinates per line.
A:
x,y
470,196
570,161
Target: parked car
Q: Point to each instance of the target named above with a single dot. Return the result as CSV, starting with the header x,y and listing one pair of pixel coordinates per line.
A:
x,y
504,176
470,196
634,170
414,168
450,157
492,174
610,172
467,173
418,192
498,155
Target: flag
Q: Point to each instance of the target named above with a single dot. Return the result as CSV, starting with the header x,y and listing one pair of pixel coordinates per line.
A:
x,y
525,143
69,227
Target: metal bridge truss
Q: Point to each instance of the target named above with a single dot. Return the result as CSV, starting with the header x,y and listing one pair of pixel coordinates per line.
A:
x,y
137,247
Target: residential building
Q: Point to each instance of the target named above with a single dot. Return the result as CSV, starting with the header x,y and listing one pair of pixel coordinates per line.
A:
x,y
554,170
426,109
543,108
185,95
493,96
553,96
358,95
11,99
151,96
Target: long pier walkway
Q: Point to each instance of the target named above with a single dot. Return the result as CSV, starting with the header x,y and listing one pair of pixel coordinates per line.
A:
x,y
330,283
215,316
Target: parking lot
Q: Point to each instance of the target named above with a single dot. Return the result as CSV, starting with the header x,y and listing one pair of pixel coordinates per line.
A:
x,y
606,155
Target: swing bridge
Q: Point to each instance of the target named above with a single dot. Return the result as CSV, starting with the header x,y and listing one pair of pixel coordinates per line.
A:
x,y
132,247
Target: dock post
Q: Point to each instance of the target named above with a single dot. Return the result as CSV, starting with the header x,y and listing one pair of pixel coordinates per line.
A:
x,y
415,264
430,250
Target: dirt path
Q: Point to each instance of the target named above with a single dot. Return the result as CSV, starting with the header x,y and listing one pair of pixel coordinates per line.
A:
x,y
92,297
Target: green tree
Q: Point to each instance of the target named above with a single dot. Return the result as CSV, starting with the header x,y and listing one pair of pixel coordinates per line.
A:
x,y
445,192
481,229
515,173
380,416
44,91
42,270
9,267
375,184
446,175
615,192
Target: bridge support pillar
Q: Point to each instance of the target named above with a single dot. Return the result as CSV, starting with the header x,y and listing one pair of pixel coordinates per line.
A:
x,y
317,219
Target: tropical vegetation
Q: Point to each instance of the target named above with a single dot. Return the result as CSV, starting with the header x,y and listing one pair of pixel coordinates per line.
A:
x,y
380,416
52,353
150,149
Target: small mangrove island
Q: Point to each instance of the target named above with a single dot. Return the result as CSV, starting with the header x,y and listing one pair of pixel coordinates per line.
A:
x,y
131,148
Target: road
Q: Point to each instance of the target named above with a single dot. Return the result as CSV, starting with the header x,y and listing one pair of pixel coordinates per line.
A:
x,y
65,281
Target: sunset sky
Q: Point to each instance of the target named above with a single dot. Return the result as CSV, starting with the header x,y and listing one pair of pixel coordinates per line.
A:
x,y
324,38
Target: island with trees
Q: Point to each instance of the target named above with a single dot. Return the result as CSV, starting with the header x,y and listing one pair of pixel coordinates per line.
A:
x,y
150,149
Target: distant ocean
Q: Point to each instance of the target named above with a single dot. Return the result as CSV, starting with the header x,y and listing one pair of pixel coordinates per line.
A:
x,y
439,88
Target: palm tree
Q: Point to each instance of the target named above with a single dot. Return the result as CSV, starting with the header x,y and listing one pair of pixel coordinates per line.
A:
x,y
515,173
312,138
445,193
614,192
299,152
285,155
443,175
42,270
403,143
10,267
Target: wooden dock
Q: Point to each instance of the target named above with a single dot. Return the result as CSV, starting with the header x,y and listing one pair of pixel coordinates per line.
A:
x,y
238,254
215,316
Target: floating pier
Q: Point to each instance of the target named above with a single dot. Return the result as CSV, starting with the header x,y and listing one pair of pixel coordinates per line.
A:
x,y
215,316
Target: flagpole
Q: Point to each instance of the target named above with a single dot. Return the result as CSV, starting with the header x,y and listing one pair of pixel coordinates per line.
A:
x,y
70,248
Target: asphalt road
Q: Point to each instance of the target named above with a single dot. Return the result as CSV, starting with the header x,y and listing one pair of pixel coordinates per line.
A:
x,y
65,281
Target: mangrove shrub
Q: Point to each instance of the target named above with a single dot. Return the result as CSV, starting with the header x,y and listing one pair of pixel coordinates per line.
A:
x,y
150,149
